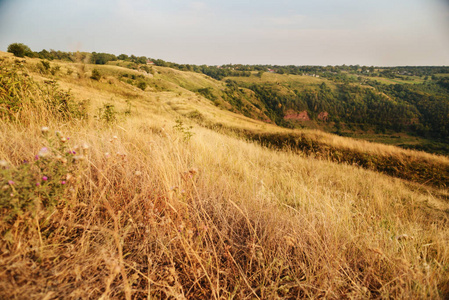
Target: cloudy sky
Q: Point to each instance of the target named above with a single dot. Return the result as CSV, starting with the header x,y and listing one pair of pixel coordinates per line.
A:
x,y
298,32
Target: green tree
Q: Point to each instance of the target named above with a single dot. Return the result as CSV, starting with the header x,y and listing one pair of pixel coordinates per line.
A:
x,y
20,50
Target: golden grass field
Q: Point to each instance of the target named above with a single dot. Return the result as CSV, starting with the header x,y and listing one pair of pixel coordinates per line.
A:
x,y
151,210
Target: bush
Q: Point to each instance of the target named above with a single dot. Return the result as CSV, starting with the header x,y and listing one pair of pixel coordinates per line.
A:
x,y
21,97
142,85
95,75
43,66
20,50
107,113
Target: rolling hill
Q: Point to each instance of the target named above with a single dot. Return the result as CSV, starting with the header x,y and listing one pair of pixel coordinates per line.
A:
x,y
172,184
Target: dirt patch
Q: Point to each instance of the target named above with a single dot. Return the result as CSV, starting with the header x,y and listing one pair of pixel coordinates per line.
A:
x,y
323,116
298,116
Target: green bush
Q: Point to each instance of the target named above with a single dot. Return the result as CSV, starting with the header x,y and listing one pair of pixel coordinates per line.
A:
x,y
142,85
95,75
107,113
20,50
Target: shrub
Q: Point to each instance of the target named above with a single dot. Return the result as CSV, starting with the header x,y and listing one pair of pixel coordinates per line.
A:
x,y
184,130
19,94
142,85
95,75
107,113
43,66
19,50
55,70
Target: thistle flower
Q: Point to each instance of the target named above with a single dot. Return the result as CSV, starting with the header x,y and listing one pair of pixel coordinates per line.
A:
x,y
63,182
44,152
44,178
10,182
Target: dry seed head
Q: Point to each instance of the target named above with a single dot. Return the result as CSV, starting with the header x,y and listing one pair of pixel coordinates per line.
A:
x,y
138,173
44,130
3,163
404,237
44,152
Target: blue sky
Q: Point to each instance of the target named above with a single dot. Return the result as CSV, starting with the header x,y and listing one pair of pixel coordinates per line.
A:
x,y
318,32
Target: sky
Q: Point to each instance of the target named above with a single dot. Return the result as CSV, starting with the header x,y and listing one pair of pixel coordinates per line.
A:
x,y
215,32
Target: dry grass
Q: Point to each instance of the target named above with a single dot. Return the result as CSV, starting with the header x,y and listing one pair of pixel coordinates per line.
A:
x,y
216,217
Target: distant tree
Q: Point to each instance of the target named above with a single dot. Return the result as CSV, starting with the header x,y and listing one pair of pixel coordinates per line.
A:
x,y
20,50
102,58
123,57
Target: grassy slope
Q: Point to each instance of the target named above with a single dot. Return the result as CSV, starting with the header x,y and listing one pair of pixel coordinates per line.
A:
x,y
215,217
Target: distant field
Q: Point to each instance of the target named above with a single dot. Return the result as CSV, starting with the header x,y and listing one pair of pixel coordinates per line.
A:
x,y
280,78
414,80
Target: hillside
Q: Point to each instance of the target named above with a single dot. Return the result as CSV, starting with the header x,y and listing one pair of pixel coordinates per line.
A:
x,y
136,184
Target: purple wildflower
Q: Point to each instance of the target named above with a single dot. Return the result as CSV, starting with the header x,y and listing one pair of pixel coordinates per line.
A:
x,y
44,152
10,182
44,178
63,182
38,184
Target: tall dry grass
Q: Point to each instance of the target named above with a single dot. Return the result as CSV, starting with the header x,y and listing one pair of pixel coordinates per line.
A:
x,y
220,218
149,214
